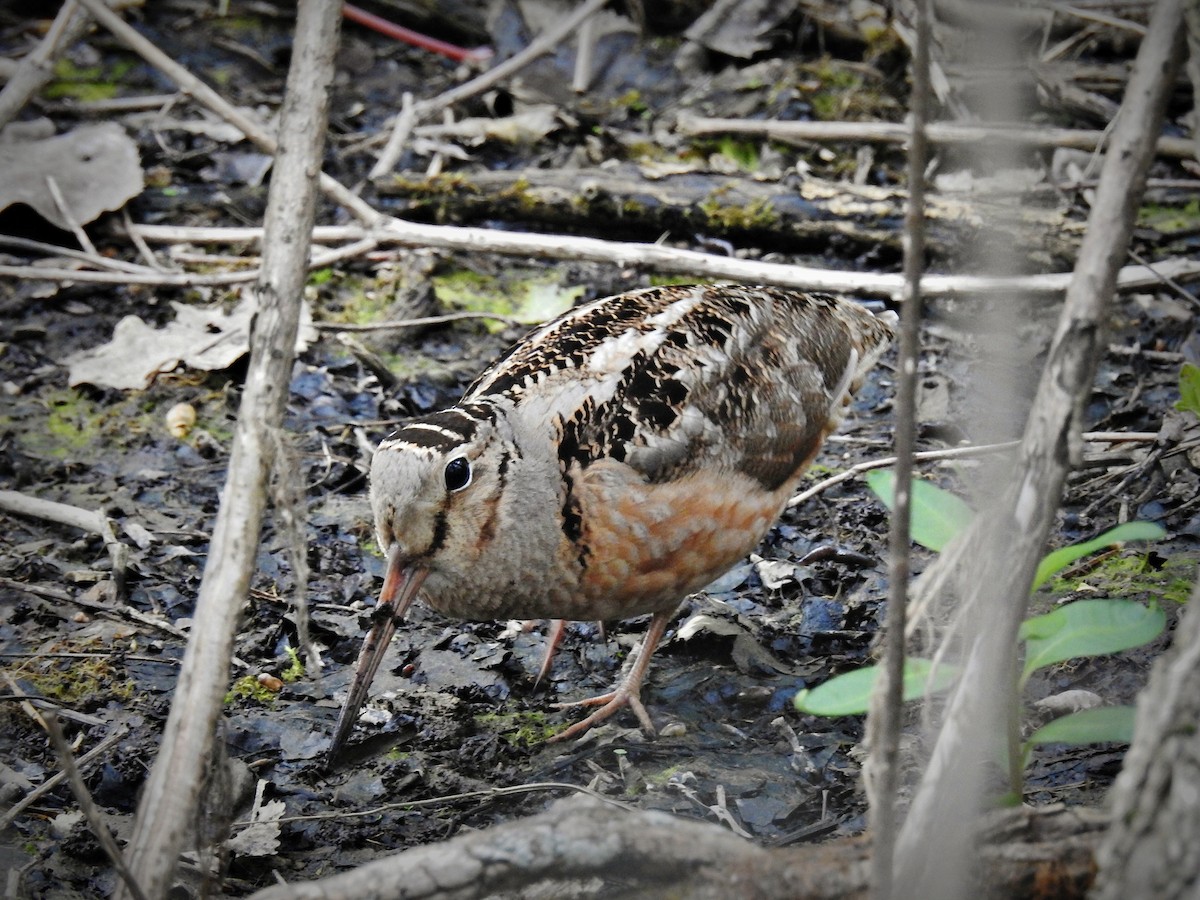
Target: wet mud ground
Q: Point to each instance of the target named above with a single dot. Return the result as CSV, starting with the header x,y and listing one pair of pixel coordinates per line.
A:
x,y
456,724
454,710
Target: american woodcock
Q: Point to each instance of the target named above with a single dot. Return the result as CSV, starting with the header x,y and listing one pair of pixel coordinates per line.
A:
x,y
615,460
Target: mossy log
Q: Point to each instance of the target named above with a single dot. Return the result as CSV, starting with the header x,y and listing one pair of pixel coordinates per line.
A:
x,y
792,214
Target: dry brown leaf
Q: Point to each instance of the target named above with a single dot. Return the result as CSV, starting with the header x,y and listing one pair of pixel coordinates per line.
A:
x,y
96,168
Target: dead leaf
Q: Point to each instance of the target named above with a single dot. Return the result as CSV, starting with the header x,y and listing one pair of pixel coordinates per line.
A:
x,y
95,167
739,28
208,339
1069,702
747,652
261,836
526,127
773,573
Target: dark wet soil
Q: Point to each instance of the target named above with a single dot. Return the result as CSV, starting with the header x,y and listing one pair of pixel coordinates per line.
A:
x,y
455,714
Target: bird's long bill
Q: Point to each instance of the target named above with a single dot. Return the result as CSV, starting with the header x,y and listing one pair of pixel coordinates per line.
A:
x,y
400,586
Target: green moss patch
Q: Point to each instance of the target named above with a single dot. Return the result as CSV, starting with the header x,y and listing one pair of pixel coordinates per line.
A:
x,y
1134,576
530,296
520,729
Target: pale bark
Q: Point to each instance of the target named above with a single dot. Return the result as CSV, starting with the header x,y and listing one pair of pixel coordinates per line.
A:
x,y
1152,848
586,849
881,772
991,570
174,790
37,68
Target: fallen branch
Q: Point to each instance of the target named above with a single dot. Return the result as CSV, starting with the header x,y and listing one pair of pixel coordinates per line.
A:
x,y
660,258
173,790
88,520
1019,133
809,213
1032,853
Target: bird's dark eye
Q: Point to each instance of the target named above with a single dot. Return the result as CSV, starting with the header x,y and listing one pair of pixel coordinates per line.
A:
x,y
458,473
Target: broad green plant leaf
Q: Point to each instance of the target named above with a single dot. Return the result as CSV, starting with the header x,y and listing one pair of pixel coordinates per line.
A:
x,y
937,515
1059,559
1189,389
1088,628
1088,726
849,694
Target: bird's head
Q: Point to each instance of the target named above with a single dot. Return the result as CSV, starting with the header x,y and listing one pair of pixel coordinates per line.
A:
x,y
435,485
435,489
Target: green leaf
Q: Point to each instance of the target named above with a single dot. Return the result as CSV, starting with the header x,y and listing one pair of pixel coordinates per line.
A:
x,y
1088,726
849,694
937,515
1189,389
1088,628
1059,559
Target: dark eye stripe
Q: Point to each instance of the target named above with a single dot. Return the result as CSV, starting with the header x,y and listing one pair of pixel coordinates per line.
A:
x,y
441,526
443,430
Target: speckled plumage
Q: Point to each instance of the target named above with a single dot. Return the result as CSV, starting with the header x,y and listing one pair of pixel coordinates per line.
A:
x,y
619,457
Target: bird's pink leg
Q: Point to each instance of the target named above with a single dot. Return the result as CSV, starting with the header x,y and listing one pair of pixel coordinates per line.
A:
x,y
553,638
628,692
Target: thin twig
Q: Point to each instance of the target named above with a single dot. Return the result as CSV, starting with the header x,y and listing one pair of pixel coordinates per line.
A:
x,y
401,324
400,133
109,844
112,105
370,360
1092,15
585,52
885,462
699,264
654,257
545,42
84,763
668,259
75,517
69,216
158,279
1170,282
1018,133
95,259
145,275
887,699
414,38
1097,437
142,247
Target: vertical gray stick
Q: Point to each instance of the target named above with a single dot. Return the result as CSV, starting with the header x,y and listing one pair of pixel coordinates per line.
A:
x,y
993,566
175,785
883,723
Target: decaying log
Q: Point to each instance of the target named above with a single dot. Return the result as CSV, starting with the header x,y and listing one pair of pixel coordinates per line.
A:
x,y
790,213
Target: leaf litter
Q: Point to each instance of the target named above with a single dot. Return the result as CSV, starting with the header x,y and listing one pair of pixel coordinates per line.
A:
x,y
455,702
